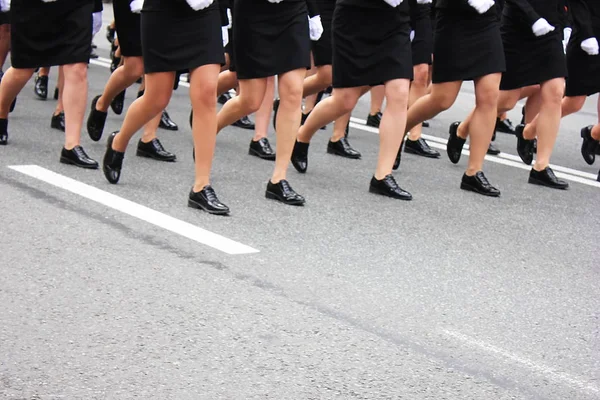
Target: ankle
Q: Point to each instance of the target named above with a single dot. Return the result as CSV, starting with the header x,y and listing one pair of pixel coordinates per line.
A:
x,y
529,132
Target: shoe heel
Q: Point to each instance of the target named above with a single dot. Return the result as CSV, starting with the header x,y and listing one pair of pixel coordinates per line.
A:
x,y
194,205
271,196
64,160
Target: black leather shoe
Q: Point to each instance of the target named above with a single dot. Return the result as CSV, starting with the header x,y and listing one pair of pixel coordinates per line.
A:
x,y
244,123
589,145
110,34
13,105
261,149
283,192
505,126
3,132
304,118
77,157
96,121
374,120
275,110
41,87
347,132
224,98
399,156
118,103
114,64
547,178
524,146
167,123
420,147
55,93
425,124
300,157
455,144
94,55
342,148
389,187
58,121
493,150
478,183
154,150
113,161
207,200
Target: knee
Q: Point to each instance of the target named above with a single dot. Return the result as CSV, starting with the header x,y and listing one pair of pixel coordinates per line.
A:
x,y
506,102
397,95
204,95
76,73
573,104
346,101
487,99
553,92
421,76
324,75
443,101
134,67
291,94
250,102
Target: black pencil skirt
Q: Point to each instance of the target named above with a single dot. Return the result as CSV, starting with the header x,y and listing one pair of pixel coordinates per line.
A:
x,y
583,69
322,51
128,26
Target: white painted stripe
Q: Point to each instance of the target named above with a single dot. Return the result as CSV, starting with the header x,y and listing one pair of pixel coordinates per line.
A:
x,y
547,372
570,174
138,211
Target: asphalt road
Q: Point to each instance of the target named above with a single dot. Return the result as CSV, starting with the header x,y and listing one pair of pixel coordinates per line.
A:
x,y
450,296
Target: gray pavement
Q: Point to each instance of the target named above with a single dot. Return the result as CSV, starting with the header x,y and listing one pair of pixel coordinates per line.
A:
x,y
451,296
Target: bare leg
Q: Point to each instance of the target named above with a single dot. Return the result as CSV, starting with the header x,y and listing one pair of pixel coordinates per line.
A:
x,y
441,98
12,83
121,79
74,100
249,100
571,105
377,96
418,89
61,86
4,43
263,115
339,127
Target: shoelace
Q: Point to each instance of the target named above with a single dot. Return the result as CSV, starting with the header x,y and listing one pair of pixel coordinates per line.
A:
x,y
285,187
391,181
158,145
483,179
210,194
424,144
550,174
78,150
266,145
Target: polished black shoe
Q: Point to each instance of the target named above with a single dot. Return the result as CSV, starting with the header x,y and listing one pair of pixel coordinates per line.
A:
x,y
283,192
96,121
3,132
77,157
478,183
224,98
342,148
347,131
262,149
420,147
13,105
398,159
55,93
524,146
94,55
114,64
154,150
110,34
300,157
304,118
374,120
113,161
547,178
207,200
58,121
118,103
425,124
41,87
493,150
505,126
167,123
455,144
244,123
589,145
389,187
275,110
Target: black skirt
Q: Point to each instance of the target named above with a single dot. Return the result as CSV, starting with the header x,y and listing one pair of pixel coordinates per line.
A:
x,y
422,44
270,38
583,69
530,60
371,46
466,45
321,48
177,38
128,26
4,18
50,34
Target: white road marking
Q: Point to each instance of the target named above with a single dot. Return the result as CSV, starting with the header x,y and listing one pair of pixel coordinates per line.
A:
x,y
138,211
548,372
510,160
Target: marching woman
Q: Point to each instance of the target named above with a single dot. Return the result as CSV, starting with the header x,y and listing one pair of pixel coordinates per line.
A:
x,y
535,55
467,46
371,46
271,37
127,20
422,51
583,64
52,33
189,39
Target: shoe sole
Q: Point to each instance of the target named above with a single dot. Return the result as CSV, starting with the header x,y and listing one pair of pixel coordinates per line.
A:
x,y
273,196
250,128
417,153
592,156
168,128
493,153
378,192
67,161
300,170
534,181
143,154
198,206
469,188
340,154
257,154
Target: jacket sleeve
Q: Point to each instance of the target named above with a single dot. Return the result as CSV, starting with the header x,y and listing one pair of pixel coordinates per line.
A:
x,y
312,8
526,9
581,18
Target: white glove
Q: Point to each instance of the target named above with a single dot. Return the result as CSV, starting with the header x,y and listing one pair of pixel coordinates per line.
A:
x,y
229,19
225,34
275,1
412,36
97,22
566,38
481,6
199,4
394,3
315,27
5,5
590,46
541,27
136,6
424,1
48,1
